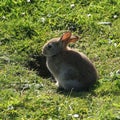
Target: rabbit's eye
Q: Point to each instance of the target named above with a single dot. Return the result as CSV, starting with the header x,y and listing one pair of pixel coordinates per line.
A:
x,y
49,46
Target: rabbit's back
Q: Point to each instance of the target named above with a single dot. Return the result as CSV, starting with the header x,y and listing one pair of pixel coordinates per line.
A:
x,y
82,64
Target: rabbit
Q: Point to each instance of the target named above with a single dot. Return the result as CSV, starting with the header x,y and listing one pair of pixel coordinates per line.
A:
x,y
72,70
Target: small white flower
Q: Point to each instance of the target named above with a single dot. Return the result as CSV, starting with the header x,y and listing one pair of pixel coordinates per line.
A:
x,y
115,16
75,115
89,15
42,19
111,74
3,17
10,107
28,1
48,15
72,5
115,44
109,41
23,13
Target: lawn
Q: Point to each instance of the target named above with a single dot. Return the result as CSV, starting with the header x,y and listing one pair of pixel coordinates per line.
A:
x,y
27,89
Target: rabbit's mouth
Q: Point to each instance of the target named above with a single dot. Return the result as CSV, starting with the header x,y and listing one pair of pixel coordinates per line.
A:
x,y
46,53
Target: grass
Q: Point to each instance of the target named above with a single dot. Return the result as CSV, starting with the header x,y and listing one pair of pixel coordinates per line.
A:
x,y
27,94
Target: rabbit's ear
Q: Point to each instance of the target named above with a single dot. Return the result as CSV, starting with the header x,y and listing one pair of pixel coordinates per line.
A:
x,y
66,36
73,39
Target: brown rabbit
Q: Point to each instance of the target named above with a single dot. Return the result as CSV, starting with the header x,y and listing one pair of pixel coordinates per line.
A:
x,y
72,70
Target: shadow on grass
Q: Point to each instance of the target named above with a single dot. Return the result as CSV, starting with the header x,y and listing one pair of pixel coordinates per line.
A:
x,y
82,93
38,64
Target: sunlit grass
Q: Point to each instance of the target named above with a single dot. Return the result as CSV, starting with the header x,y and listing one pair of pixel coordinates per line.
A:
x,y
25,26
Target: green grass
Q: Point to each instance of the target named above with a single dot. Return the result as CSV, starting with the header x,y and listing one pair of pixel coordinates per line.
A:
x,y
26,26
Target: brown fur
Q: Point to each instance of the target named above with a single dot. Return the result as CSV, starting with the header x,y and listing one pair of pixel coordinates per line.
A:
x,y
71,69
